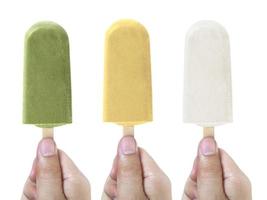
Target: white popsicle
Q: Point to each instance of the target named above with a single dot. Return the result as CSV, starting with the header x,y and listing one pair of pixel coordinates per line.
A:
x,y
207,75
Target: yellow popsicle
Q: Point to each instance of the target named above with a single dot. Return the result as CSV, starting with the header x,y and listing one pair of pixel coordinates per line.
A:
x,y
127,74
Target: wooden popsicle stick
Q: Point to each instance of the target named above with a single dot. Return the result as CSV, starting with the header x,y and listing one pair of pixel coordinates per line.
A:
x,y
208,132
48,132
128,131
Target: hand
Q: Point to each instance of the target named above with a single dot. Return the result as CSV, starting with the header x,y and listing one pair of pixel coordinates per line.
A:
x,y
216,176
135,175
54,176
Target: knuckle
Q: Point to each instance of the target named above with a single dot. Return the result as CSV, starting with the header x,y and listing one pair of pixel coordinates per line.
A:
x,y
48,171
209,169
130,171
110,190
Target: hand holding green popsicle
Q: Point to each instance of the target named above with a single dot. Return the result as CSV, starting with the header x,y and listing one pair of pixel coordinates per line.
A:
x,y
55,176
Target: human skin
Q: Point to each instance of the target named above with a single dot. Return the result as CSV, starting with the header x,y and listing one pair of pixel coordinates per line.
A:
x,y
215,176
135,175
54,176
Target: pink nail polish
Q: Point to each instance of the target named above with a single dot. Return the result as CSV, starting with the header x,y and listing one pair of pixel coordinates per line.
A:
x,y
208,146
47,147
127,145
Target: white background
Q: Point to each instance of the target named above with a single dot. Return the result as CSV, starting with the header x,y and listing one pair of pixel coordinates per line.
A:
x,y
92,143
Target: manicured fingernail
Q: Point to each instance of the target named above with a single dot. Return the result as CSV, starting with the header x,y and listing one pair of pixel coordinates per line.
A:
x,y
47,147
127,145
208,146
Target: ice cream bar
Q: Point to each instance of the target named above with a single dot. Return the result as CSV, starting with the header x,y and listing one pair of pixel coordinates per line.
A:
x,y
47,84
127,74
207,75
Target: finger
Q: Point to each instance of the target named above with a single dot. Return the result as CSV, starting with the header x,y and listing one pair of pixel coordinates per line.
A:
x,y
105,197
23,197
193,174
185,197
29,190
190,190
76,185
129,174
114,169
32,175
209,172
237,184
156,183
110,188
48,174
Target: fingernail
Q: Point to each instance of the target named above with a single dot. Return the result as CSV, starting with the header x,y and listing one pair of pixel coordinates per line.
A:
x,y
208,146
47,147
127,145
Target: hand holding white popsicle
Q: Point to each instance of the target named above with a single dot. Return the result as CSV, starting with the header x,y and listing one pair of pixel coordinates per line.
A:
x,y
207,76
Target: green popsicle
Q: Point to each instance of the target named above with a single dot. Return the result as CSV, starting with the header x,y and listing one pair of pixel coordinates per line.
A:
x,y
47,83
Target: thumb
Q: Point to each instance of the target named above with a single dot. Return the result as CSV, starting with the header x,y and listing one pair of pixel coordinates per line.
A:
x,y
209,172
129,174
48,173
